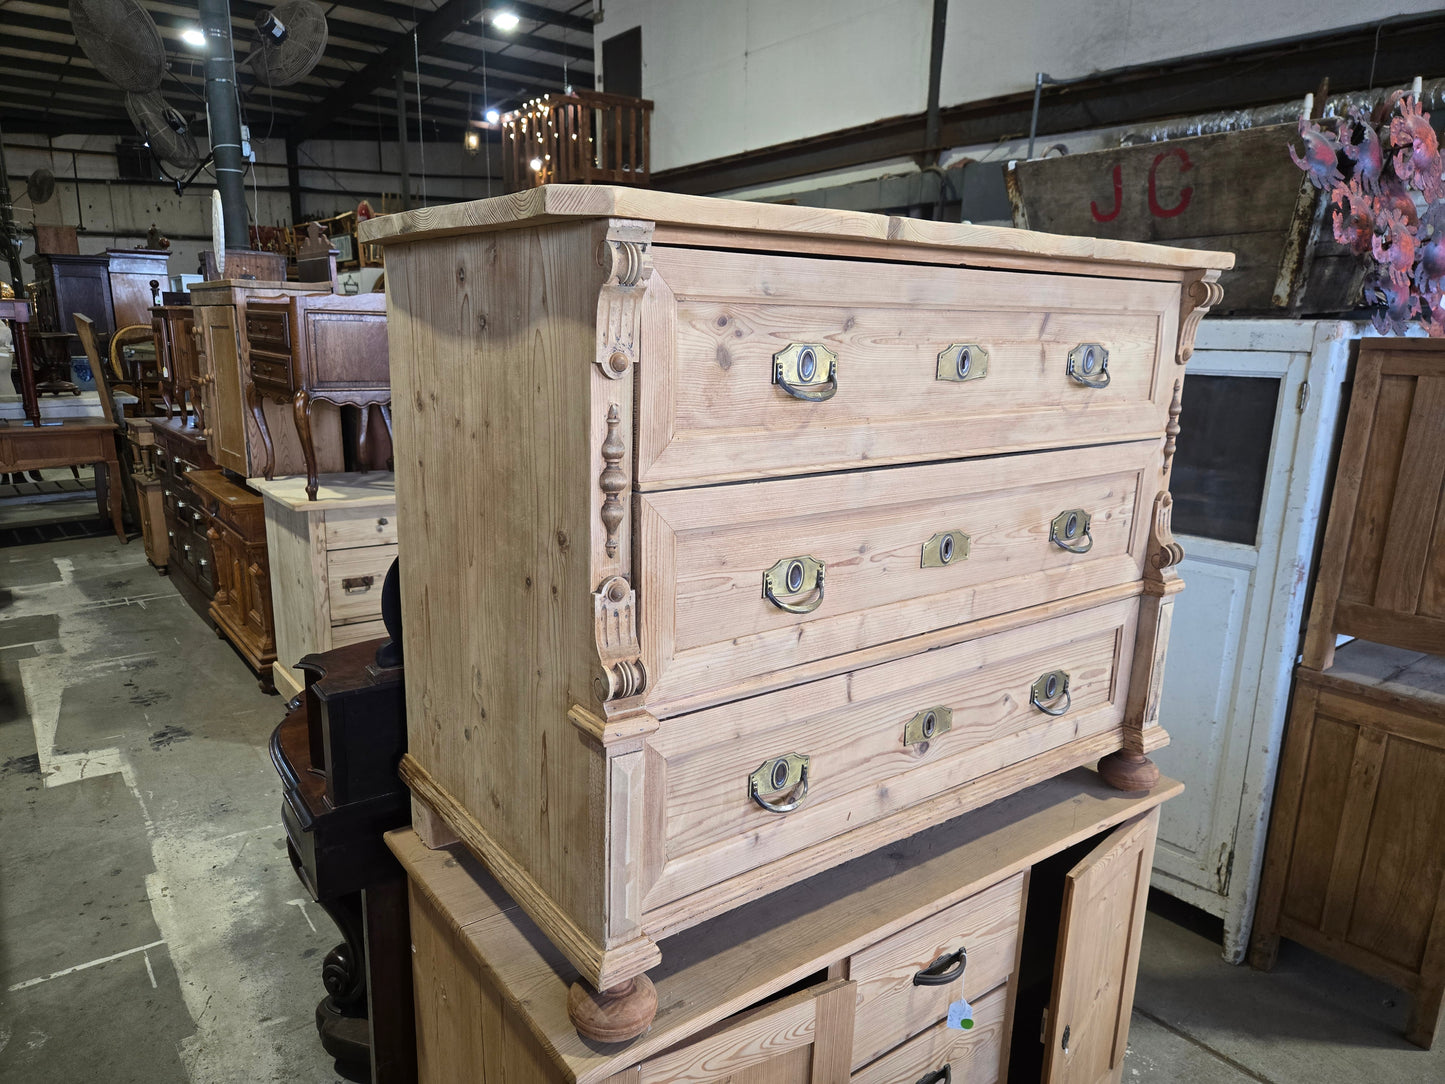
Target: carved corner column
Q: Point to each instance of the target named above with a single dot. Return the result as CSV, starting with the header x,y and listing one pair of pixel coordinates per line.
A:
x,y
1130,769
617,720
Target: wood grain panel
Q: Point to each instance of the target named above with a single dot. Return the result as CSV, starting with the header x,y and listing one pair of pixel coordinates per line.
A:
x,y
491,407
711,412
891,1009
1322,802
706,624
973,1057
1416,503
1403,863
1379,475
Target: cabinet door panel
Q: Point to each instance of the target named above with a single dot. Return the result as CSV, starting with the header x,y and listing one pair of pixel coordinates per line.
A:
x,y
1098,957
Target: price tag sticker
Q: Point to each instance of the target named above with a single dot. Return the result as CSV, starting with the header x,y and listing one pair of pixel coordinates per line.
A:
x,y
960,1015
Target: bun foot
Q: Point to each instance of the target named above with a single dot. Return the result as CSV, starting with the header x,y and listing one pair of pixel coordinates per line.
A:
x,y
614,1015
1133,773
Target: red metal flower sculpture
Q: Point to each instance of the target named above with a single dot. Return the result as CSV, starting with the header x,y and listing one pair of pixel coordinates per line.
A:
x,y
1373,166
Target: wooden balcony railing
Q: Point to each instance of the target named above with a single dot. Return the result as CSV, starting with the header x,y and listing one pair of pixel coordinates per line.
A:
x,y
585,137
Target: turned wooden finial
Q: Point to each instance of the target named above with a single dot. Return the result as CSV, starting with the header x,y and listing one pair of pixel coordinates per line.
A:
x,y
614,1015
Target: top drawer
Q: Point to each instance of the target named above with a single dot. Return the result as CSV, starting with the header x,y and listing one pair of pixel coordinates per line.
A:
x,y
710,409
269,327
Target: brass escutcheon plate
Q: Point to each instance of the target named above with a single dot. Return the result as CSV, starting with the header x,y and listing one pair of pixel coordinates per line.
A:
x,y
1070,530
780,775
944,548
1089,365
805,370
927,725
958,362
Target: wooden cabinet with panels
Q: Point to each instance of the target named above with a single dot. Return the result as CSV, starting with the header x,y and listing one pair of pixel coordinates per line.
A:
x,y
132,271
174,330
738,540
180,451
241,606
1025,915
1355,865
224,361
70,284
318,348
328,560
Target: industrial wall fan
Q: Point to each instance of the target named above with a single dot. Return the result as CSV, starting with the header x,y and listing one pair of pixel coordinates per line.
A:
x,y
121,40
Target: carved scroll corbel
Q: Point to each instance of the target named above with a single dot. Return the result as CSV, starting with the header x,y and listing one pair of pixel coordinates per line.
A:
x,y
1201,295
626,254
618,647
1164,551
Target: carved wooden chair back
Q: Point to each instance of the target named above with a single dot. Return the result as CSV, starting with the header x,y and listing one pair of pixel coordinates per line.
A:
x,y
1382,568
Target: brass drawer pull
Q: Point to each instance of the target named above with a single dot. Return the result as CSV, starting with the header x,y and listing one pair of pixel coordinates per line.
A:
x,y
357,585
794,576
944,548
938,1076
1050,693
1070,531
927,725
1089,365
784,778
946,969
962,361
806,371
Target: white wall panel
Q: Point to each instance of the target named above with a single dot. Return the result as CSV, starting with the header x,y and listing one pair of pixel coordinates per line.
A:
x,y
729,76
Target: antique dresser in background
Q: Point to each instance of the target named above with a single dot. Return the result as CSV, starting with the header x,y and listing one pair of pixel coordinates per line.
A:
x,y
738,540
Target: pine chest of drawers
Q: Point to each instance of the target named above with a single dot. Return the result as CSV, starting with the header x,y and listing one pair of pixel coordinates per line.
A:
x,y
737,540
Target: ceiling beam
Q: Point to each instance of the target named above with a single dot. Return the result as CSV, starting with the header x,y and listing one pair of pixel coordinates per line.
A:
x,y
429,32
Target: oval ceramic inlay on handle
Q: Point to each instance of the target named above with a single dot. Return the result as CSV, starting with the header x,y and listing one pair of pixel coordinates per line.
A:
x,y
807,371
1089,365
791,578
1050,693
779,785
1070,530
958,362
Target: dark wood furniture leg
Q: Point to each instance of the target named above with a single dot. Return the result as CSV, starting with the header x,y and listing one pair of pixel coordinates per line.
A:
x,y
254,402
302,406
20,337
389,982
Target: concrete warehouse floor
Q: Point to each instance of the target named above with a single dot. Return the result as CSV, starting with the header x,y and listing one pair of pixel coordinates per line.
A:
x,y
152,931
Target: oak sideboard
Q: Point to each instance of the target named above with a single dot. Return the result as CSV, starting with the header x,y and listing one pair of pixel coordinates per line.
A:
x,y
738,540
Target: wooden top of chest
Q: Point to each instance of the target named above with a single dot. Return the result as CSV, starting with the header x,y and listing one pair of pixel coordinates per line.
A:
x,y
808,225
359,490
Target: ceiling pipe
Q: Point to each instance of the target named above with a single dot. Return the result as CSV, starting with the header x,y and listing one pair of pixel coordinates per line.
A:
x,y
223,121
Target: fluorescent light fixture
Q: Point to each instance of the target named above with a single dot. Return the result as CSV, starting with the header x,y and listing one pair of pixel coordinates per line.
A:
x,y
194,36
492,116
506,20
536,165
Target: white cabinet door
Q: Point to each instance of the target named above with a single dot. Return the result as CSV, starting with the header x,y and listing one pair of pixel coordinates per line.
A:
x,y
1261,405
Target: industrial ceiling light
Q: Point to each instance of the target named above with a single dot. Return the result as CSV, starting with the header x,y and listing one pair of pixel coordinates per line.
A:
x,y
536,165
492,116
506,20
194,36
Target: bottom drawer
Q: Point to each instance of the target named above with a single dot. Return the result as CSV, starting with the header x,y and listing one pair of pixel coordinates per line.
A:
x,y
767,777
942,1053
972,944
353,582
355,633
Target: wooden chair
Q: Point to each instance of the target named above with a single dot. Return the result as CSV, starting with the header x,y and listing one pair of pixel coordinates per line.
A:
x,y
143,380
1355,863
85,332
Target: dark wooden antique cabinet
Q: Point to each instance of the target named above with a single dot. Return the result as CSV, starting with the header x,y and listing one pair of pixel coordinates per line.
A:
x,y
180,452
241,606
132,272
67,284
328,348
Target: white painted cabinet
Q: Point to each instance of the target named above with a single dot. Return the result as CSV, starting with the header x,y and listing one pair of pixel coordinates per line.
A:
x,y
1261,407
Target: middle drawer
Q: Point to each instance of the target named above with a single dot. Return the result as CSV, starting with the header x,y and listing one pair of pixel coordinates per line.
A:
x,y
742,582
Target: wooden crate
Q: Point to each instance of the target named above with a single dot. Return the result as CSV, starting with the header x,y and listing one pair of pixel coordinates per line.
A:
x,y
1235,191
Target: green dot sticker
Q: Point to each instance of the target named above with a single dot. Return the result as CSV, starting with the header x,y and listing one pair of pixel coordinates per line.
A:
x,y
960,1015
